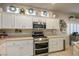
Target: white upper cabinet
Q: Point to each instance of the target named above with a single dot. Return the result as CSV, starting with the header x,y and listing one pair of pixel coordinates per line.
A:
x,y
23,22
35,19
55,23
39,19
49,23
0,20
8,20
42,19
52,23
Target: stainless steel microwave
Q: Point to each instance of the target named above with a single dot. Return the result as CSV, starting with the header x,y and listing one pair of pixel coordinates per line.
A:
x,y
39,25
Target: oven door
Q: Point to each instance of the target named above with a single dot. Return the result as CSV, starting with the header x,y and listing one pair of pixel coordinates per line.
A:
x,y
41,26
41,45
41,51
41,48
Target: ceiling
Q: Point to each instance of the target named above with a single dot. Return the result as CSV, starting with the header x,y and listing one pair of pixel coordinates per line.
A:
x,y
60,7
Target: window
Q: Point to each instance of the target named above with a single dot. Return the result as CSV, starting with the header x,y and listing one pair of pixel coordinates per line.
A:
x,y
78,28
72,27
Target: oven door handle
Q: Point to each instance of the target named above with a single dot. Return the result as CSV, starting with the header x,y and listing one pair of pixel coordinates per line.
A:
x,y
42,42
41,48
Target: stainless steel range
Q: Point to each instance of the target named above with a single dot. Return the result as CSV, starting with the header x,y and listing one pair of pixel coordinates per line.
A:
x,y
40,44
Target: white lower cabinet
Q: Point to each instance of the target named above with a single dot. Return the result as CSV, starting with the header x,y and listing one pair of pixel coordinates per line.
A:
x,y
12,48
27,48
20,48
3,49
61,44
55,44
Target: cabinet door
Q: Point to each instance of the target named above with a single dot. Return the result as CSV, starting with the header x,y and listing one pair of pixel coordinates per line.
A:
x,y
0,20
49,23
27,48
42,19
52,23
3,49
55,44
35,19
22,21
12,48
55,23
28,23
60,44
8,20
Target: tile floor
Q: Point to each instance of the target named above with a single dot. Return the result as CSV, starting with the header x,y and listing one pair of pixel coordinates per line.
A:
x,y
67,52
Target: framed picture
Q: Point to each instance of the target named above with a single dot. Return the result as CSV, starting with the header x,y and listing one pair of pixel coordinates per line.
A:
x,y
63,25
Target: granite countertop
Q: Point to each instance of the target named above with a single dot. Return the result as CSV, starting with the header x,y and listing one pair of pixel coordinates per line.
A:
x,y
57,36
2,40
27,38
16,38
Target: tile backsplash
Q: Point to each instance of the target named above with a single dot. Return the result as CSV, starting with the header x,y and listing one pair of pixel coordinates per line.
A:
x,y
50,32
12,32
28,32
